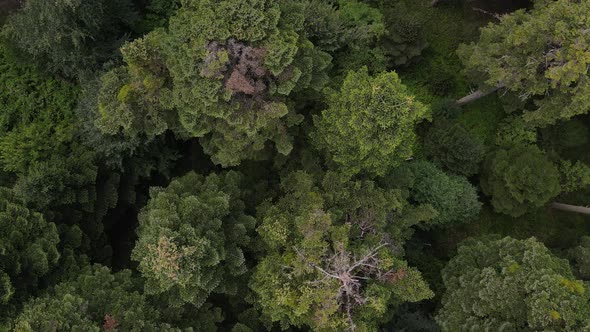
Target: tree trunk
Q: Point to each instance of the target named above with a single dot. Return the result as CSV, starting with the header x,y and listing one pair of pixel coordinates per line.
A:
x,y
477,95
570,208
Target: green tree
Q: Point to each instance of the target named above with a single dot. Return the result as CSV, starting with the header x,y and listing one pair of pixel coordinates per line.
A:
x,y
69,36
232,91
96,300
451,146
519,179
542,55
511,285
192,236
369,125
28,250
580,257
452,196
331,262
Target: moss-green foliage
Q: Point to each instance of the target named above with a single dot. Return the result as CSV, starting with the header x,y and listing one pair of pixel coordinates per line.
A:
x,y
28,250
69,36
316,238
96,300
511,284
451,146
542,55
520,179
369,125
192,236
37,118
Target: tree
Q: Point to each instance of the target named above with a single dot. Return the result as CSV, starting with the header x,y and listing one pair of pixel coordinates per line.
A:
x,y
68,37
331,262
28,250
519,179
369,125
513,285
451,146
541,54
232,91
192,236
580,257
96,300
453,197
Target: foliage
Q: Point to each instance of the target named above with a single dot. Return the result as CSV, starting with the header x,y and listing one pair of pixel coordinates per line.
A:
x,y
453,197
69,36
404,41
28,250
330,264
575,176
156,15
36,114
519,179
369,125
580,256
542,55
231,91
192,236
97,300
513,285
453,147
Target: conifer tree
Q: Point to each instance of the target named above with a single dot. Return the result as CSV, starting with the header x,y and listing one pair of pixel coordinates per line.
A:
x,y
511,285
28,250
369,125
192,236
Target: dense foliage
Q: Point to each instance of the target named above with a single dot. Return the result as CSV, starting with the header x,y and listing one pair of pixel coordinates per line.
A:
x,y
513,285
294,165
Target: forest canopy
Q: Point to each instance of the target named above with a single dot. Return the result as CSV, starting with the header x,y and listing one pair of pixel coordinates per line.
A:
x,y
294,165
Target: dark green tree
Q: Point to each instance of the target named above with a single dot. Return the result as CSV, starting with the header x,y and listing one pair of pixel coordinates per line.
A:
x,y
96,300
520,179
580,258
28,250
192,236
511,285
451,146
369,125
541,55
453,197
69,36
331,262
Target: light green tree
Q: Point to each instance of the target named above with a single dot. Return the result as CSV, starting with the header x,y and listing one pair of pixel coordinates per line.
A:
x,y
369,125
331,264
